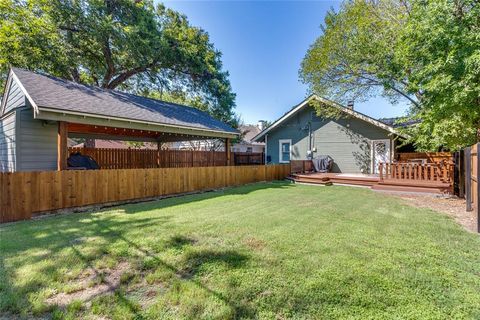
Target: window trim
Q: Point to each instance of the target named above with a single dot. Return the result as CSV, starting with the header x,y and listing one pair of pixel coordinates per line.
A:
x,y
280,142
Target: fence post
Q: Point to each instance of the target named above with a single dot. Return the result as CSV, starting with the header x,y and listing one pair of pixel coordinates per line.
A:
x,y
478,187
468,178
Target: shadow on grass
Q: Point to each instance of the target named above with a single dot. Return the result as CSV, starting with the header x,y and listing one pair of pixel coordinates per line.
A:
x,y
179,242
195,260
208,195
54,235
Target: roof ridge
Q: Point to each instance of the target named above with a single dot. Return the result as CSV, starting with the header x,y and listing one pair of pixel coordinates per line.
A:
x,y
43,74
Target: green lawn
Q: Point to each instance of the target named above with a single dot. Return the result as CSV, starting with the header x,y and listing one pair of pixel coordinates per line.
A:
x,y
271,250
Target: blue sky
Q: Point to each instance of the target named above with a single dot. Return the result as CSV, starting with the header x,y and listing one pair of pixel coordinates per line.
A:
x,y
263,44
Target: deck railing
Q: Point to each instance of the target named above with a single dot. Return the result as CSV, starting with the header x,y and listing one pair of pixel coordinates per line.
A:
x,y
428,172
301,166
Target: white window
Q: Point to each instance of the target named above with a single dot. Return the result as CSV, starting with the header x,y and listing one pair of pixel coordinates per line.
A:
x,y
285,150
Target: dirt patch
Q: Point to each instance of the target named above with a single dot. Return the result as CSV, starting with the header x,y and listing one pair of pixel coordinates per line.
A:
x,y
453,206
91,284
254,243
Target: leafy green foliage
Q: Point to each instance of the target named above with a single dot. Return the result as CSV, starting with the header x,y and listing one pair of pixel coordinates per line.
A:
x,y
422,51
441,43
131,45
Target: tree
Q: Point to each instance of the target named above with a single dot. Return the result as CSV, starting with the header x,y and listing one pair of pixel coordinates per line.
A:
x,y
355,57
116,44
441,44
423,51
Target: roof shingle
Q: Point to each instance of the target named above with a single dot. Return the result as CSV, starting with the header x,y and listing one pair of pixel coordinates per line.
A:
x,y
55,93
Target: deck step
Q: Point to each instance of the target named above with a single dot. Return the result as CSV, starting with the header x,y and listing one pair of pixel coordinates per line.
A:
x,y
313,181
384,187
414,183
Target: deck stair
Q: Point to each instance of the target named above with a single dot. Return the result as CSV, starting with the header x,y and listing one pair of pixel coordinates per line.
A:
x,y
412,186
305,178
334,178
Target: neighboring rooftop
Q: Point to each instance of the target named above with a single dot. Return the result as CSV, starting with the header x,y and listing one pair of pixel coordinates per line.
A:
x,y
54,93
398,122
249,131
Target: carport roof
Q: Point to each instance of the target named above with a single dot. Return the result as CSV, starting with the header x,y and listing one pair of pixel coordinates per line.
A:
x,y
49,94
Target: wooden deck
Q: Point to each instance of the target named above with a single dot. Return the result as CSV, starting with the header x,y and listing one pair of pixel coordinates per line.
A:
x,y
372,181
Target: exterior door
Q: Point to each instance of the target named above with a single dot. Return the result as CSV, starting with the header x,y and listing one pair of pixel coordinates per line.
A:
x,y
380,153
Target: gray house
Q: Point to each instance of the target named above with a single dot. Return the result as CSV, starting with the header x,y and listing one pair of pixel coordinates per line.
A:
x,y
356,142
38,113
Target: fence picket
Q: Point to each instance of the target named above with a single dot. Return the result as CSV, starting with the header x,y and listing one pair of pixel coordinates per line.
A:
x,y
27,193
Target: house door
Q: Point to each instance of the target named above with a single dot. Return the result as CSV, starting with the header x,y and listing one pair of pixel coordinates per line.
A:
x,y
380,153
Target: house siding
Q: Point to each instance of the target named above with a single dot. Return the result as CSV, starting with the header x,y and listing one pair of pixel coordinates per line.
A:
x,y
36,143
7,143
346,140
15,98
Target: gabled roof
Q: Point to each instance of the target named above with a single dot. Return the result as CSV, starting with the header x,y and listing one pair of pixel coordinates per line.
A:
x,y
347,110
47,93
249,131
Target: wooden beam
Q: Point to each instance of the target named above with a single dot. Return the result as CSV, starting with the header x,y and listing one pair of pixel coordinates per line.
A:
x,y
227,151
96,131
62,148
159,147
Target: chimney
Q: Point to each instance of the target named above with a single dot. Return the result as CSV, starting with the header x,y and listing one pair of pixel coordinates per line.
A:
x,y
261,124
350,104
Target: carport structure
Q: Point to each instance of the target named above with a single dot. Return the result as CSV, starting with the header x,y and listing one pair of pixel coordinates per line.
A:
x,y
46,111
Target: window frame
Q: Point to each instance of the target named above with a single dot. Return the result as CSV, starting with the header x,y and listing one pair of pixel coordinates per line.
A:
x,y
280,152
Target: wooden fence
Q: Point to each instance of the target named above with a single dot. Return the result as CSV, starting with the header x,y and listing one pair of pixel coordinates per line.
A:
x,y
428,157
147,158
26,194
472,181
248,158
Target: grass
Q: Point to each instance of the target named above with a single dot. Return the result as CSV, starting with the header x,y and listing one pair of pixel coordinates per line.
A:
x,y
272,250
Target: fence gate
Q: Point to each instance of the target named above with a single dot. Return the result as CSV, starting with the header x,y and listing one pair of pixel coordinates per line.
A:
x,y
472,179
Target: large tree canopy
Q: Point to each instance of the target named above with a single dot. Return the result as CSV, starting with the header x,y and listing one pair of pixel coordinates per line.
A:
x,y
424,51
116,44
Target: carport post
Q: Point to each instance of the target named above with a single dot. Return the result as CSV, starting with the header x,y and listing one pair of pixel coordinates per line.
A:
x,y
227,151
62,149
159,147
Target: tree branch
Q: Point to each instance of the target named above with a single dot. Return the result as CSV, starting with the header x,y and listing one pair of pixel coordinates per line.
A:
x,y
124,76
107,53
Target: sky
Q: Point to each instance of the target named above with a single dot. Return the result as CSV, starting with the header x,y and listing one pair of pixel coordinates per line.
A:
x,y
262,45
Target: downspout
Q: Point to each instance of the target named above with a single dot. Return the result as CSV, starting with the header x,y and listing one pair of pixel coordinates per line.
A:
x,y
266,148
310,139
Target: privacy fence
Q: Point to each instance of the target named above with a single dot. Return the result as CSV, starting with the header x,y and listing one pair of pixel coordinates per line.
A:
x,y
472,185
148,158
425,157
26,194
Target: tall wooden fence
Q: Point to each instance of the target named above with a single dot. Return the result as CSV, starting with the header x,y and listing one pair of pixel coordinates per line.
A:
x,y
472,181
24,194
428,157
146,158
